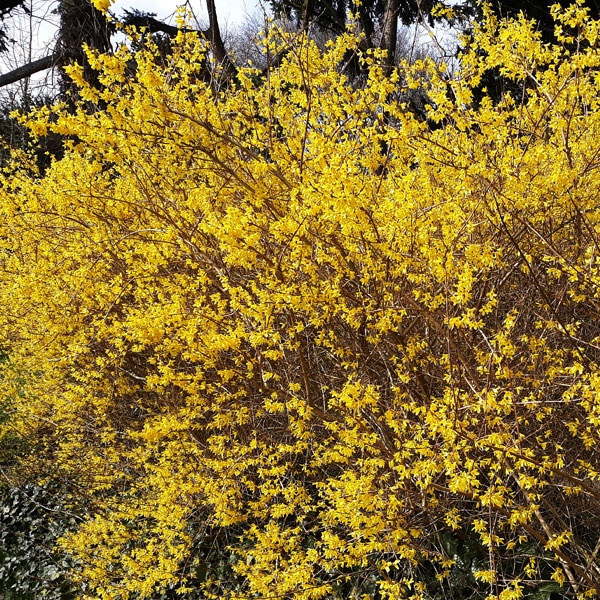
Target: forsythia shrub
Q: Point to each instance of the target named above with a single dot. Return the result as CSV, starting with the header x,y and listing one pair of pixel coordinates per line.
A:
x,y
291,315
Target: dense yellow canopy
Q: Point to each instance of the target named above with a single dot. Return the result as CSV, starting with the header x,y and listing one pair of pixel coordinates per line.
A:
x,y
289,312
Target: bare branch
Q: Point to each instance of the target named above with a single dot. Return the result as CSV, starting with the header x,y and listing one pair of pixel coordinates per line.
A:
x,y
47,62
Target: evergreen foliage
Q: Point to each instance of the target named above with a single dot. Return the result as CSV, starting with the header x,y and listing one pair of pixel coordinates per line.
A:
x,y
31,520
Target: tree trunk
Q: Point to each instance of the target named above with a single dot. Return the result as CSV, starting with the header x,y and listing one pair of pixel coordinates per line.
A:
x,y
366,24
389,34
216,41
80,23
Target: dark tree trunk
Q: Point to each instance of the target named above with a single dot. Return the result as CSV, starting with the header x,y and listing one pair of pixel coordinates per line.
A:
x,y
216,41
81,23
389,34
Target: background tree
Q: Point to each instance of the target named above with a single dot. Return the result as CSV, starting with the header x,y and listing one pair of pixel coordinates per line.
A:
x,y
378,19
80,23
540,12
492,81
6,8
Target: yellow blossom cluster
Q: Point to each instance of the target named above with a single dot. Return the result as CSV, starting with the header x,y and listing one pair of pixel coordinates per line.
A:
x,y
289,314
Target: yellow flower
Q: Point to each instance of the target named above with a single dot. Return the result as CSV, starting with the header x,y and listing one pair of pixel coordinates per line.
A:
x,y
102,5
